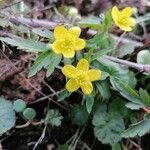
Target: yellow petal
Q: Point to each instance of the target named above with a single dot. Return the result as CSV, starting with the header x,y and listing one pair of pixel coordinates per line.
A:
x,y
56,47
125,28
69,71
132,22
72,85
68,53
76,31
94,74
115,13
79,44
60,32
83,65
87,88
127,11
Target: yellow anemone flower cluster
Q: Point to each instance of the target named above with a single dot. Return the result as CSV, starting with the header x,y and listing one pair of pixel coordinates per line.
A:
x,y
81,76
123,18
67,41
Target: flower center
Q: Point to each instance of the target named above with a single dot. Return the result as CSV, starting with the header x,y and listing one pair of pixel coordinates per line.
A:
x,y
66,44
123,20
82,78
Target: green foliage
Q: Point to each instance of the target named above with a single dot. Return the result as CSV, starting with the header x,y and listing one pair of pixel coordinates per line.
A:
x,y
41,62
104,89
139,128
63,147
116,72
126,48
108,122
7,116
143,57
79,115
26,44
101,43
48,60
137,100
44,33
107,22
89,101
90,22
29,113
19,105
63,95
53,117
53,62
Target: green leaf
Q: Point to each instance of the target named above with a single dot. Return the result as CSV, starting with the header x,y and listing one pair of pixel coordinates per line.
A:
x,y
19,105
53,117
7,116
101,53
53,62
143,57
107,22
63,95
139,128
107,127
116,146
126,49
90,22
63,147
26,44
133,106
145,96
116,72
117,109
89,99
128,92
79,115
43,60
104,89
101,43
29,113
143,18
44,33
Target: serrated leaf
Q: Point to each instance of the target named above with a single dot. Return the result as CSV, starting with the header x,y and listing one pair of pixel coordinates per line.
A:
x,y
53,62
89,100
44,33
110,133
53,117
43,60
26,44
7,116
108,127
139,128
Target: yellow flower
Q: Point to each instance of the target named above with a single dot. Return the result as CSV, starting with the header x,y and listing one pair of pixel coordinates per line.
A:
x,y
123,18
67,41
81,76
